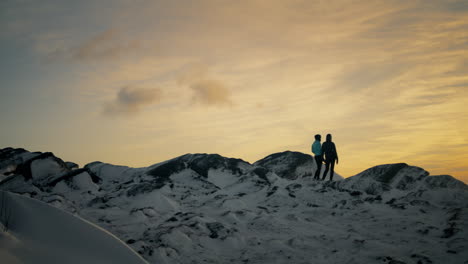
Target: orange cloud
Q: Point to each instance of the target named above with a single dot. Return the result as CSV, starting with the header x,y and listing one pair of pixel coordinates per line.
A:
x,y
130,100
108,44
211,92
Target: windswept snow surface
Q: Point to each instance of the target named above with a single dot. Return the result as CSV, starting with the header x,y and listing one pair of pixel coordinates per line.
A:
x,y
40,233
205,208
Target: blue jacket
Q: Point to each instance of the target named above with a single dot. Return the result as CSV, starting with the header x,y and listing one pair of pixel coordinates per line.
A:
x,y
317,148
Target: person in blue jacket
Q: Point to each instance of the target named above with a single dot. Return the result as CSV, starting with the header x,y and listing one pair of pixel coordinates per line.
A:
x,y
317,150
330,156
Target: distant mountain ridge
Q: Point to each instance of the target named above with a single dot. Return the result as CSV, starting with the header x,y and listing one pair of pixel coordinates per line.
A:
x,y
288,164
206,208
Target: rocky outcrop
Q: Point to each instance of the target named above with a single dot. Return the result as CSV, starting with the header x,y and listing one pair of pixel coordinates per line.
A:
x,y
383,178
288,164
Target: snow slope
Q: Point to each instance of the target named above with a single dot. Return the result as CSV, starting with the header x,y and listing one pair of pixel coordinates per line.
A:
x,y
205,208
39,233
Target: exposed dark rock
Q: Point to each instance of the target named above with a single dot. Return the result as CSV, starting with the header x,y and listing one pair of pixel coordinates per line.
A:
x,y
8,153
289,161
73,173
167,169
9,157
394,261
391,172
340,204
261,173
199,163
91,164
450,231
382,178
202,163
399,206
146,187
220,196
172,219
217,230
377,198
272,191
455,214
357,202
390,260
424,231
25,167
293,187
420,203
359,241
98,200
421,259
444,181
71,165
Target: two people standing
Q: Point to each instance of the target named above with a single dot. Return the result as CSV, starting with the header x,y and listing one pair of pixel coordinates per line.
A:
x,y
325,152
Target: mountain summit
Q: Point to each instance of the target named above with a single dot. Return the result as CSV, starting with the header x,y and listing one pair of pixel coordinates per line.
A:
x,y
205,208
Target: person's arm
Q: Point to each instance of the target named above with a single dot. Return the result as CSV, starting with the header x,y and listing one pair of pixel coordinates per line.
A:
x,y
324,155
336,152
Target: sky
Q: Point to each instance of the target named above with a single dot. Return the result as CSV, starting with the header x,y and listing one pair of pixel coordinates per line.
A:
x,y
139,82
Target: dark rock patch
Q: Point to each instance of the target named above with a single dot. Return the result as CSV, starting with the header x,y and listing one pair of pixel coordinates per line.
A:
x,y
146,187
390,260
71,165
73,173
450,231
288,161
261,173
217,230
172,219
421,259
25,167
391,172
272,191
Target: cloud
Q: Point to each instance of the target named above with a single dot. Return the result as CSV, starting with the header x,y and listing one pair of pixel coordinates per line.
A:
x,y
211,92
369,75
130,100
108,44
206,90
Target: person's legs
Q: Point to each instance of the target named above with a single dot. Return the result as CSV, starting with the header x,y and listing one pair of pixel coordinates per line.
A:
x,y
327,167
318,160
332,170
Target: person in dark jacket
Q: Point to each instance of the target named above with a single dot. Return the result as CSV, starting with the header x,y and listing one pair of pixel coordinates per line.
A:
x,y
330,156
317,150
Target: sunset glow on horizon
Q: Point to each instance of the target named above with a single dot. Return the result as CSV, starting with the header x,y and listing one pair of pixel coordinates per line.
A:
x,y
139,82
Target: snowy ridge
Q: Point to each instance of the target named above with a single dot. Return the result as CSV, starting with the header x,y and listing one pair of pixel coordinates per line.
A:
x,y
205,208
39,233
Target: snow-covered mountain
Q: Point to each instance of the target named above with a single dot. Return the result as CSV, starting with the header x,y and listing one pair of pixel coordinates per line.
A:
x,y
205,208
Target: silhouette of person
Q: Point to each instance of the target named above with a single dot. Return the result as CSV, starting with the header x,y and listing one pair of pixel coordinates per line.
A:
x,y
317,150
329,151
